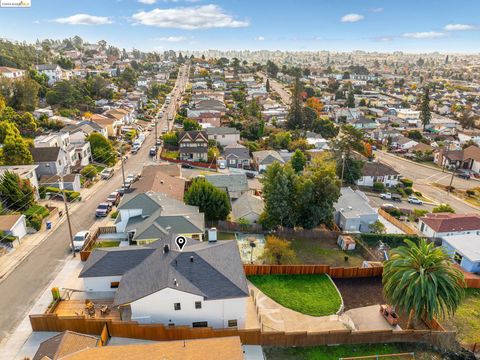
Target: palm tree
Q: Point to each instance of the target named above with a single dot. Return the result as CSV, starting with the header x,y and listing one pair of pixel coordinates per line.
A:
x,y
422,281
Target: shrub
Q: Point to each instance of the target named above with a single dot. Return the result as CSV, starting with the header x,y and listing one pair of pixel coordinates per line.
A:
x,y
36,210
443,208
114,214
72,195
470,192
392,240
418,193
408,191
7,238
89,171
402,192
406,182
378,186
35,221
417,213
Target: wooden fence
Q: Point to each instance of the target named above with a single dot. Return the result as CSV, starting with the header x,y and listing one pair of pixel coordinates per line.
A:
x,y
87,248
334,272
401,225
211,165
159,332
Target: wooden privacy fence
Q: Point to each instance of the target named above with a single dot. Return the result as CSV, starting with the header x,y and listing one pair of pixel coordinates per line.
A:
x,y
334,272
159,332
401,225
87,248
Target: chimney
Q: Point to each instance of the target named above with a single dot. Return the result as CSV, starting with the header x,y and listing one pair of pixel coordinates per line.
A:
x,y
191,258
166,248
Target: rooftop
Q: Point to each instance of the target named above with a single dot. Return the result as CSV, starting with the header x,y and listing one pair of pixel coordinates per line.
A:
x,y
353,203
444,222
467,245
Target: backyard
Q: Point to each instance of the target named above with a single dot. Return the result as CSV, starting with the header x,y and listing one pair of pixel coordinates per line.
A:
x,y
105,244
336,352
313,295
466,320
325,251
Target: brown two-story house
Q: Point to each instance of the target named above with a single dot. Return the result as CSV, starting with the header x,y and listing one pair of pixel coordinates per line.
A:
x,y
193,146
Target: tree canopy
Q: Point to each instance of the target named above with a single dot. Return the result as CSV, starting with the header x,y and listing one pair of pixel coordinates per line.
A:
x,y
210,200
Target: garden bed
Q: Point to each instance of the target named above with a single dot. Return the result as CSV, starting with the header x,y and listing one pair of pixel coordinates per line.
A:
x,y
313,295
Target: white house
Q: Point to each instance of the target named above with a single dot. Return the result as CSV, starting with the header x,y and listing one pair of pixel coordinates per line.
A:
x,y
203,285
14,225
408,114
464,250
373,172
223,135
353,212
53,72
11,73
443,225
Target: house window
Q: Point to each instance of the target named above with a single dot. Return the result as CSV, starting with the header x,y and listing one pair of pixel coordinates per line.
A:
x,y
232,162
177,306
458,258
232,323
114,284
198,304
200,324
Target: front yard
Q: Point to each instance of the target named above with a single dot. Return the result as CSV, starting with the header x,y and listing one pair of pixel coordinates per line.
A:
x,y
325,251
466,320
313,295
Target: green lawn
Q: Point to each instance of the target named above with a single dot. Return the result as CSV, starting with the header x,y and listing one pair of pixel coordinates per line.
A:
x,y
314,295
222,235
310,251
99,168
105,244
467,318
340,351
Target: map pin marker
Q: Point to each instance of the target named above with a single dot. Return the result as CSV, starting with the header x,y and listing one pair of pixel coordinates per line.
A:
x,y
181,241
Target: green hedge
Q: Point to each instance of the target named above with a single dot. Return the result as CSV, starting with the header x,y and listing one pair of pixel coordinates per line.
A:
x,y
406,182
71,195
7,238
392,240
36,210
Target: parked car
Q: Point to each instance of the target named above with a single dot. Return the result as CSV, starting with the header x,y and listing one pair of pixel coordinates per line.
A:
x,y
79,240
153,151
135,149
388,206
114,198
121,191
158,142
187,166
222,165
390,196
103,209
414,200
250,175
107,173
464,174
132,178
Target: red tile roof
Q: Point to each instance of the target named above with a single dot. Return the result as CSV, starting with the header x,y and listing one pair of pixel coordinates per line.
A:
x,y
443,222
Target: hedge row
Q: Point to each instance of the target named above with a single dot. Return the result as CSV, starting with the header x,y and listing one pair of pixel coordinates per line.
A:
x,y
392,240
71,195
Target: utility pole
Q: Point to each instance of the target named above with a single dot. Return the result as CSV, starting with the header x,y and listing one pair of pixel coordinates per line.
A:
x,y
343,169
68,215
123,171
156,135
451,180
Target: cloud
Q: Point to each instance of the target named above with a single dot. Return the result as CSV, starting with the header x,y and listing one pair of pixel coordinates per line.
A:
x,y
84,19
425,35
350,18
148,2
188,18
376,10
459,27
259,38
172,38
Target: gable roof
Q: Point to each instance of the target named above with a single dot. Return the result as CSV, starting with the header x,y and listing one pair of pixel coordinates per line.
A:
x,y
231,182
222,131
151,202
353,203
162,178
444,222
8,221
246,204
471,152
377,169
64,344
216,272
193,135
45,154
236,150
266,157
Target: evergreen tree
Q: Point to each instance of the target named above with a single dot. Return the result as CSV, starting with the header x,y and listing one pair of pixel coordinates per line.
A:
x,y
267,85
16,194
15,152
295,118
350,103
211,200
425,115
298,161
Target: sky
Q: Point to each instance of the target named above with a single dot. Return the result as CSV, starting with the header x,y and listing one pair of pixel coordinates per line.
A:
x,y
415,26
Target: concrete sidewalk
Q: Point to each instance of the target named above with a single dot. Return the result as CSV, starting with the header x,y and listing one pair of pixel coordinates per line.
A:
x,y
67,277
12,259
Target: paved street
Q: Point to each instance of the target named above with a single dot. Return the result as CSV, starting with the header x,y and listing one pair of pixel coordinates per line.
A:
x,y
279,88
377,202
21,288
423,178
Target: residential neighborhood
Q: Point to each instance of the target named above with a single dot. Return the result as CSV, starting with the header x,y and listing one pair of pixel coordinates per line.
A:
x,y
237,203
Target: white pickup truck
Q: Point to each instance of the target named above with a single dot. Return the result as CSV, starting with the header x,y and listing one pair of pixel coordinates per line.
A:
x,y
390,196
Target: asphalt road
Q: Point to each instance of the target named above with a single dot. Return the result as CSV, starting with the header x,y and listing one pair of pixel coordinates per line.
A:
x,y
279,89
423,178
20,290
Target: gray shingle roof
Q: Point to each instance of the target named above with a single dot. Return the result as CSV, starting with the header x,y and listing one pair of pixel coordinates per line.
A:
x,y
246,204
215,273
377,169
114,261
266,157
45,154
236,150
231,182
221,131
